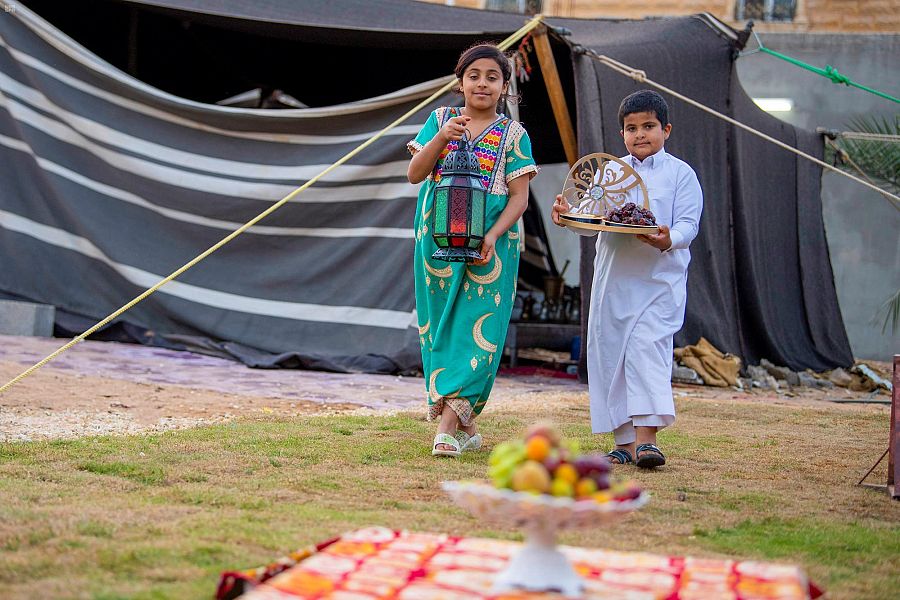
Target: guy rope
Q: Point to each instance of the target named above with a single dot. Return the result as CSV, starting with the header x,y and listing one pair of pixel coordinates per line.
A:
x,y
828,72
641,77
504,45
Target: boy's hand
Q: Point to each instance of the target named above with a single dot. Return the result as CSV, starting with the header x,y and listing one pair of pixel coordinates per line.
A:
x,y
454,128
661,241
559,207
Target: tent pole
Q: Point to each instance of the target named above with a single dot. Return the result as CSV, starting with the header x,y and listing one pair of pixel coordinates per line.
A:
x,y
893,481
555,91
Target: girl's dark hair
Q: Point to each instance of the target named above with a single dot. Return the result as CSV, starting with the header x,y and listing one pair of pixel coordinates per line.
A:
x,y
644,101
492,52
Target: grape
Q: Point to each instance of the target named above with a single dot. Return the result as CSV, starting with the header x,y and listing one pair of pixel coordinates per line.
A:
x,y
594,462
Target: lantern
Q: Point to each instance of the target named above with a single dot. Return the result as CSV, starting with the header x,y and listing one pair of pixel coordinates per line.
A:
x,y
459,199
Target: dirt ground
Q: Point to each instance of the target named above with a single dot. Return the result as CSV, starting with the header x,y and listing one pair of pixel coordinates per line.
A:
x,y
105,388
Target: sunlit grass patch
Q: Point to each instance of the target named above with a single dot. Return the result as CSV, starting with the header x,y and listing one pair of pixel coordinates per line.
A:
x,y
161,515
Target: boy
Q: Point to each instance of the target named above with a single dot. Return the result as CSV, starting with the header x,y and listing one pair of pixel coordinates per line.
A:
x,y
639,292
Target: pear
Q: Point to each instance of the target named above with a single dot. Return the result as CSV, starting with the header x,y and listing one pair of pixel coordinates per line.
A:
x,y
531,476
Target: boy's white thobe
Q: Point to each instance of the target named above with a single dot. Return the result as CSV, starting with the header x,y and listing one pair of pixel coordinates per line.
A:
x,y
637,305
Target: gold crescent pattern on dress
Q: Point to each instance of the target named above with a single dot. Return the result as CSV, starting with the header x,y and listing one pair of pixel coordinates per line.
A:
x,y
480,340
491,277
425,222
424,328
517,149
445,272
432,388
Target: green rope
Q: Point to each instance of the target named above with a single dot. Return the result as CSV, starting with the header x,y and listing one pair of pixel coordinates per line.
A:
x,y
829,72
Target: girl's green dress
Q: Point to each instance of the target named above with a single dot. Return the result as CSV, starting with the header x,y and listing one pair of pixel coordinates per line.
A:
x,y
464,310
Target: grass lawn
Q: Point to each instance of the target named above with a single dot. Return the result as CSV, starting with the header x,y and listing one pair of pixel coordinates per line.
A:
x,y
160,516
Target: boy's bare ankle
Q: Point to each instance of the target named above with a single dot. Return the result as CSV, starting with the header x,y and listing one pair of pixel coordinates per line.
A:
x,y
645,435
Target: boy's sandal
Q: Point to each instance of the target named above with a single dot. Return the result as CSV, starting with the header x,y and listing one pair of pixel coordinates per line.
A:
x,y
468,442
447,439
649,456
620,456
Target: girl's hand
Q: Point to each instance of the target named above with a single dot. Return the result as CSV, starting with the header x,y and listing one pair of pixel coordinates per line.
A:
x,y
661,241
487,249
454,128
559,207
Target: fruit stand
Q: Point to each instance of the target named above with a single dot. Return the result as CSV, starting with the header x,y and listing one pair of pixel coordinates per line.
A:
x,y
540,484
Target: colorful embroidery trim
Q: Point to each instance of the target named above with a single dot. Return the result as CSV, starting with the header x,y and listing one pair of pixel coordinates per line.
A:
x,y
487,149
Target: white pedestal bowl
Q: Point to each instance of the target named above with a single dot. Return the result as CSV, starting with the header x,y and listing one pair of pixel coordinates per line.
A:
x,y
539,565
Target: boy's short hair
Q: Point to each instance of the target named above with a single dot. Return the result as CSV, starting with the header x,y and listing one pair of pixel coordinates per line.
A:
x,y
644,101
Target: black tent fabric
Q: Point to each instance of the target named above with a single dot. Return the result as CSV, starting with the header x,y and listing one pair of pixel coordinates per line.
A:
x,y
109,186
396,18
110,183
760,283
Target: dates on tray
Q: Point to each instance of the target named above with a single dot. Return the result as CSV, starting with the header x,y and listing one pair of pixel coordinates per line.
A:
x,y
631,214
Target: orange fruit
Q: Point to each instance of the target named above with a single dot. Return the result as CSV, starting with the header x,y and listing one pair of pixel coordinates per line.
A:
x,y
537,448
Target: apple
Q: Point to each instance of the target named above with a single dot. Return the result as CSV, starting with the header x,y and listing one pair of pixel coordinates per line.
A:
x,y
562,488
628,490
546,430
585,487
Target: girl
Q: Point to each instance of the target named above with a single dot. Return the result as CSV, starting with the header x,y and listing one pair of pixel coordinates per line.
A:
x,y
464,309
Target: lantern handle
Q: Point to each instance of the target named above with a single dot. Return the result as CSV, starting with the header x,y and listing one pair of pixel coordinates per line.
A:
x,y
466,139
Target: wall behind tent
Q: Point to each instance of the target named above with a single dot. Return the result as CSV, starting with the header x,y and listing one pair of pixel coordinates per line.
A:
x,y
860,224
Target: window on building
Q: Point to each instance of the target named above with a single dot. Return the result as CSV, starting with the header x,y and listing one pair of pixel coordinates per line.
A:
x,y
527,7
765,10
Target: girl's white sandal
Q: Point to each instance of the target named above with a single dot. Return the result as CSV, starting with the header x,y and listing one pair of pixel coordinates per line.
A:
x,y
468,442
447,439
